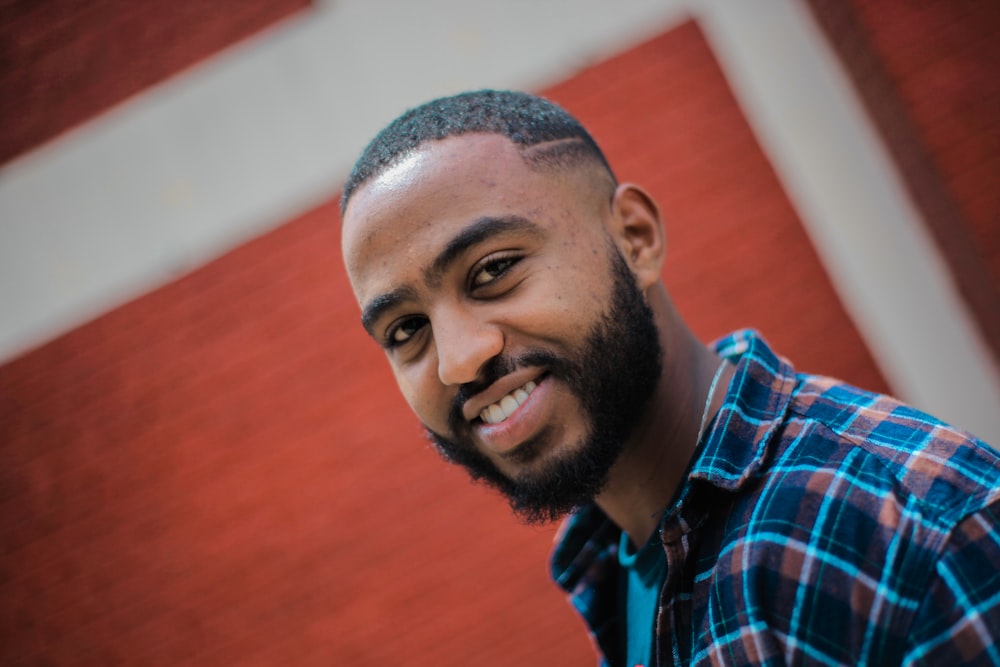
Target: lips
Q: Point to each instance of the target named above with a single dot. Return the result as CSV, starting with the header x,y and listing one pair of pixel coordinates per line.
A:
x,y
494,413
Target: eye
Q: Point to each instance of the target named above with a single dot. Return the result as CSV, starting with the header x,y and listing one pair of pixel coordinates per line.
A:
x,y
492,268
402,331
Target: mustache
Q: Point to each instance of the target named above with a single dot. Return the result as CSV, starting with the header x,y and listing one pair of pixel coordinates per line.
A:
x,y
493,370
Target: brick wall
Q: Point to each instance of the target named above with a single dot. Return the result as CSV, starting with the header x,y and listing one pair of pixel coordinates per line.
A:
x,y
221,472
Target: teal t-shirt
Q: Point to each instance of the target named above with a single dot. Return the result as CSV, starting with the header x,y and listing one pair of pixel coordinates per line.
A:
x,y
642,572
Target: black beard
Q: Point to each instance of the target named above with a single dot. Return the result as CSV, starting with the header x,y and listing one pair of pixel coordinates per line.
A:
x,y
613,376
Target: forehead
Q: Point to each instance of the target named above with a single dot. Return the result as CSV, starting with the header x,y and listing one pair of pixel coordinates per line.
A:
x,y
459,168
411,209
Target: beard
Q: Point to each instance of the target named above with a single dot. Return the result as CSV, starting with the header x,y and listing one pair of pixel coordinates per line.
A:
x,y
613,375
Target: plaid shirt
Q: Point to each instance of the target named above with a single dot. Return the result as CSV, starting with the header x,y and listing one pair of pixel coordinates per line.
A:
x,y
819,524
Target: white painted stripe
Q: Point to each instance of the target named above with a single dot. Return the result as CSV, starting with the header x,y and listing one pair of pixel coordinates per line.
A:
x,y
864,226
190,168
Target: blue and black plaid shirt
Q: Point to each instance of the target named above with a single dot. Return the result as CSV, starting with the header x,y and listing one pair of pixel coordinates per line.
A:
x,y
819,524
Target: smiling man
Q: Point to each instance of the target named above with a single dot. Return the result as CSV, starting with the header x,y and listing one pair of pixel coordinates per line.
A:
x,y
723,508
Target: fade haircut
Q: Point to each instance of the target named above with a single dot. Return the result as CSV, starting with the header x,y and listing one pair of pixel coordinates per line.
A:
x,y
549,136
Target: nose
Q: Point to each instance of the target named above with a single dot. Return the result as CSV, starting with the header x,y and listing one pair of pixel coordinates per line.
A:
x,y
464,343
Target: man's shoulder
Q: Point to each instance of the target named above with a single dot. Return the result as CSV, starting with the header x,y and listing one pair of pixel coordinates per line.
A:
x,y
880,444
793,434
859,504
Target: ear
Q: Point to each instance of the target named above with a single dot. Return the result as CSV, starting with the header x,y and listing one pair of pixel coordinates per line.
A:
x,y
638,232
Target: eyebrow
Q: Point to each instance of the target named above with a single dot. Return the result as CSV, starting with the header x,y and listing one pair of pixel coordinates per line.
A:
x,y
475,232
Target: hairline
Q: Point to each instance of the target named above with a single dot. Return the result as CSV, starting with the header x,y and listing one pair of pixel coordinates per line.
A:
x,y
553,155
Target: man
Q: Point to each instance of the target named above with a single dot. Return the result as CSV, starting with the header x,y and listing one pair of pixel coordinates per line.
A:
x,y
725,510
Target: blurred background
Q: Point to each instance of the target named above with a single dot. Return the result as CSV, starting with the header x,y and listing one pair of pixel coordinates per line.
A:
x,y
204,459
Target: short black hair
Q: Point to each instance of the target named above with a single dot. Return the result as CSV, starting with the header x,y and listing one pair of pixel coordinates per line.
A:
x,y
526,120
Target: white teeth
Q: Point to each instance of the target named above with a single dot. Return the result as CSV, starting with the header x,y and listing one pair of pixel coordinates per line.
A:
x,y
505,407
508,404
496,414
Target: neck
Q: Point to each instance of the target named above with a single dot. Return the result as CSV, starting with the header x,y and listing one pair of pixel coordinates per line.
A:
x,y
651,469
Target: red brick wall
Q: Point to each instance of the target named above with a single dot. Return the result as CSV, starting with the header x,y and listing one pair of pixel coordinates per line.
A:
x,y
64,61
927,73
221,472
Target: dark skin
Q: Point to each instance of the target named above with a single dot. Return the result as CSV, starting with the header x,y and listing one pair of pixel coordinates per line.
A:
x,y
462,252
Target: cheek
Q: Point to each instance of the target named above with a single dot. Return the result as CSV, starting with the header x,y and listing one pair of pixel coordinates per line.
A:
x,y
580,277
423,394
410,388
568,302
405,385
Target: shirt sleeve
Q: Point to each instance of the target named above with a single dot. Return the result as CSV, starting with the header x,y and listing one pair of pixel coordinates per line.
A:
x,y
958,621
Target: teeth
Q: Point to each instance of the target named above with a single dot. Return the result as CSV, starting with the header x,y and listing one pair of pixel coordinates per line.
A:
x,y
505,407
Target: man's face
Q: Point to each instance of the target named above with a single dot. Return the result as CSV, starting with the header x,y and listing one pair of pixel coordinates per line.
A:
x,y
514,327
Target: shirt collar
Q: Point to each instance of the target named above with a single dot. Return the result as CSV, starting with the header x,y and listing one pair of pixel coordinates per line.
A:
x,y
751,414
